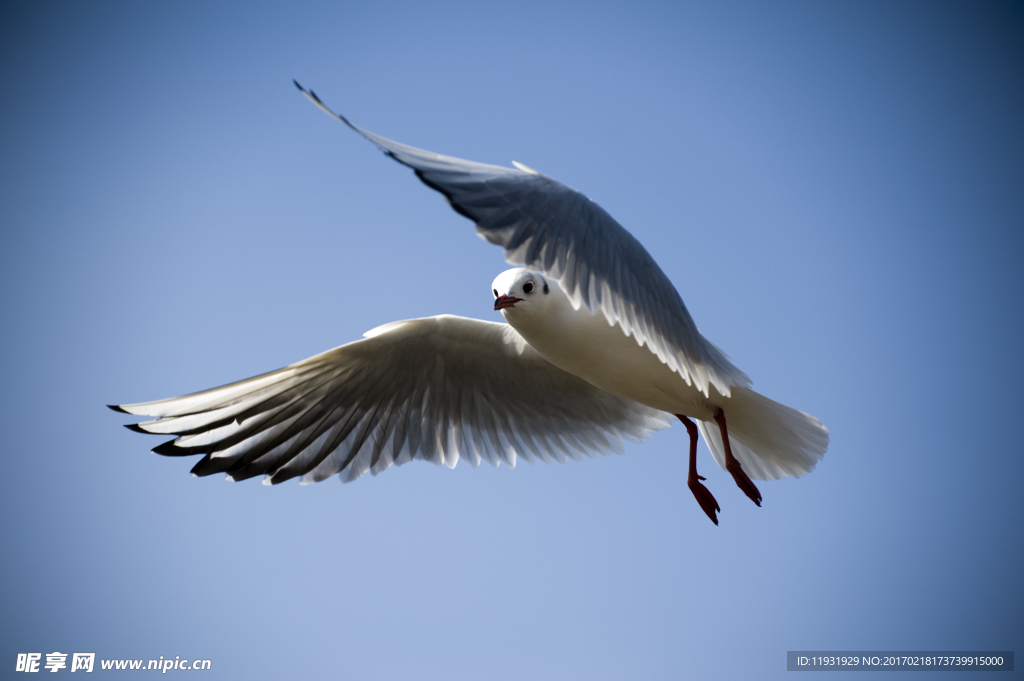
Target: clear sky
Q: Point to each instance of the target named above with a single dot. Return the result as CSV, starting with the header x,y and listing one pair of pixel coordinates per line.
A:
x,y
836,190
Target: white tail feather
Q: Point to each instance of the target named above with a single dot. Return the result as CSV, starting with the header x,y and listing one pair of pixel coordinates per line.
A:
x,y
770,440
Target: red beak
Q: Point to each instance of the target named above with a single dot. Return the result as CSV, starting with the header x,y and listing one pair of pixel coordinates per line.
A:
x,y
501,302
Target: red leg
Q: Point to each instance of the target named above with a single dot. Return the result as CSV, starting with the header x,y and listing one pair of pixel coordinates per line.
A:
x,y
700,492
743,481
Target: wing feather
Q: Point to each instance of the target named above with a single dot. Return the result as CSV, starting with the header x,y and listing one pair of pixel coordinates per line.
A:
x,y
437,389
545,225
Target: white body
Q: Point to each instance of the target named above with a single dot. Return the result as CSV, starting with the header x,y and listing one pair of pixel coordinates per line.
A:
x,y
587,346
770,439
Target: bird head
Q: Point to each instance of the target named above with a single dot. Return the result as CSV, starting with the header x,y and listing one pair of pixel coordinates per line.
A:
x,y
519,291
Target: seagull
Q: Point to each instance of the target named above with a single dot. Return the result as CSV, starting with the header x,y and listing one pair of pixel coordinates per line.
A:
x,y
598,348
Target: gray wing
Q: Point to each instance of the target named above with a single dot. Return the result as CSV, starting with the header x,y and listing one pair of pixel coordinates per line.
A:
x,y
438,389
546,226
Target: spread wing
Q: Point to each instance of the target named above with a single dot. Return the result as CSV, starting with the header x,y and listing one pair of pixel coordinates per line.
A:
x,y
546,226
438,389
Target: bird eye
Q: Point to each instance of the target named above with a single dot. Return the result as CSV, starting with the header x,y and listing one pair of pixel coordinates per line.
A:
x,y
495,292
528,287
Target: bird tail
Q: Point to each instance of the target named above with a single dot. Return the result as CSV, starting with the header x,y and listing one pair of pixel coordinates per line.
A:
x,y
769,439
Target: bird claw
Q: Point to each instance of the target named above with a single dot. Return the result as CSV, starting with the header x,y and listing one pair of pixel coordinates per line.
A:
x,y
743,481
704,497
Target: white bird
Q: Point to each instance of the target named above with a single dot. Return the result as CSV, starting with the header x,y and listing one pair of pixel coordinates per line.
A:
x,y
558,381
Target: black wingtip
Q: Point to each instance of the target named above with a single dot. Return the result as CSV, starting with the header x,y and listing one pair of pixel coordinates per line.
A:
x,y
208,466
327,110
135,427
202,467
117,408
168,449
281,476
165,449
309,93
304,90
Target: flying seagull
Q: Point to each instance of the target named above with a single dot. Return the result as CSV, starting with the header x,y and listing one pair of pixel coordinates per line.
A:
x,y
598,348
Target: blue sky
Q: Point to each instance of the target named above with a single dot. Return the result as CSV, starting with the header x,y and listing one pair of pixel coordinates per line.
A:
x,y
835,190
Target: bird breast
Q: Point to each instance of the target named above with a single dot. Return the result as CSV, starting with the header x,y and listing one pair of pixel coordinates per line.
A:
x,y
588,346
